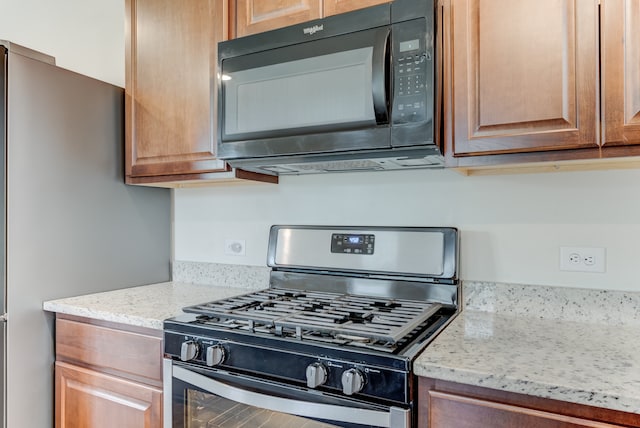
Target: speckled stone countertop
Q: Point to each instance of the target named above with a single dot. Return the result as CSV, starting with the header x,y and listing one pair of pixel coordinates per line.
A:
x,y
144,306
552,342
547,354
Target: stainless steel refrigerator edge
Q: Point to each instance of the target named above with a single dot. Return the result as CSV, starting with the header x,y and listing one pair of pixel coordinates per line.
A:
x,y
71,225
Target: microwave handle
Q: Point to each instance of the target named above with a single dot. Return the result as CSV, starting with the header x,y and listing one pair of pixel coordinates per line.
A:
x,y
379,75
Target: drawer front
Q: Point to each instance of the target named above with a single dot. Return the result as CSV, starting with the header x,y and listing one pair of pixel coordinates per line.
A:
x,y
457,411
128,354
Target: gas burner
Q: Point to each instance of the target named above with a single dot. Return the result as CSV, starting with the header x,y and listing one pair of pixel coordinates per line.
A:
x,y
345,317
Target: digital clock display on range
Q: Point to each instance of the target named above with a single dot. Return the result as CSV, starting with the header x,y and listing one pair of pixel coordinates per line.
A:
x,y
355,239
362,244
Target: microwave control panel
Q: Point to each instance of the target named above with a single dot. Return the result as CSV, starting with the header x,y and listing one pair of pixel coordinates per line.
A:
x,y
412,74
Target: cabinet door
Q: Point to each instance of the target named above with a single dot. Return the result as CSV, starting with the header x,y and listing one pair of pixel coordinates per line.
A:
x,y
334,7
456,411
255,16
85,398
620,72
170,60
520,76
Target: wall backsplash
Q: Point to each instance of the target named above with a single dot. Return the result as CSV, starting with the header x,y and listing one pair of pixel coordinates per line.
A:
x,y
221,275
511,226
561,303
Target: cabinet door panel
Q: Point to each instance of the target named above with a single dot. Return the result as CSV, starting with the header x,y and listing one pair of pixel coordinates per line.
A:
x,y
255,16
455,411
620,72
85,398
334,7
170,59
524,75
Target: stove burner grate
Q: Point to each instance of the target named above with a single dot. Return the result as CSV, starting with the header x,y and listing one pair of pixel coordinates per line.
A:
x,y
338,318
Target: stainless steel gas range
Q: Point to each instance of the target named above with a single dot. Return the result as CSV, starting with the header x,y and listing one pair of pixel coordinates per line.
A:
x,y
330,343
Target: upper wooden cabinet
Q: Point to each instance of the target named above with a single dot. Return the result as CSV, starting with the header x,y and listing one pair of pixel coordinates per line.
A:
x,y
334,7
520,76
620,62
255,16
170,58
539,80
170,106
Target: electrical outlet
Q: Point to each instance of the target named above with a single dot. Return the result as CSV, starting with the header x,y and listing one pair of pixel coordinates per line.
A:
x,y
582,259
234,247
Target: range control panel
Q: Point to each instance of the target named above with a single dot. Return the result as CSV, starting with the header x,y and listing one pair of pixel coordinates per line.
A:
x,y
352,243
333,375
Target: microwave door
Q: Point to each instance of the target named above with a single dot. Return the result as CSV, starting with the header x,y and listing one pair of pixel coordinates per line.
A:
x,y
307,97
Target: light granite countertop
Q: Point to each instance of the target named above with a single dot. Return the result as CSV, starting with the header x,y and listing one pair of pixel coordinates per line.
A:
x,y
143,306
587,363
550,342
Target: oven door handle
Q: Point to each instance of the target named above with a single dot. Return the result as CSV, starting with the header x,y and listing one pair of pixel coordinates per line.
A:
x,y
396,417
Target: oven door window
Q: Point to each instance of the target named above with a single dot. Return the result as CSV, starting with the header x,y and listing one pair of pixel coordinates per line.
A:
x,y
216,399
204,410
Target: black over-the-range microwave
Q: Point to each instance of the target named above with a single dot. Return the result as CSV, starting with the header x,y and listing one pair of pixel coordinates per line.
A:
x,y
348,92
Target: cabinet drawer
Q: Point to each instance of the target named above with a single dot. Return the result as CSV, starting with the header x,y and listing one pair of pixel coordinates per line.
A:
x,y
457,411
125,353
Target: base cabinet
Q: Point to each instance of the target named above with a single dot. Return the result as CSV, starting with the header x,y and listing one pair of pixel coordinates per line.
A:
x,y
107,375
87,398
450,405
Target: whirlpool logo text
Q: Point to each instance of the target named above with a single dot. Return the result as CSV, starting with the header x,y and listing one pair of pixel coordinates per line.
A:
x,y
313,30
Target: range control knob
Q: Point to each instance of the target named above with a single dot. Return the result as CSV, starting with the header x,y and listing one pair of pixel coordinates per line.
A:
x,y
188,350
215,355
352,381
316,375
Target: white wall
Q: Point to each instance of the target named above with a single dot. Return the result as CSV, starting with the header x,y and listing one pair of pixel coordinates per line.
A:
x,y
511,226
86,36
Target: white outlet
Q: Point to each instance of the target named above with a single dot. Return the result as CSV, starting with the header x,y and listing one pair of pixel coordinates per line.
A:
x,y
582,259
234,247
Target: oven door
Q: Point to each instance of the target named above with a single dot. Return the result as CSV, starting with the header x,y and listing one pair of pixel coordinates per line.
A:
x,y
196,397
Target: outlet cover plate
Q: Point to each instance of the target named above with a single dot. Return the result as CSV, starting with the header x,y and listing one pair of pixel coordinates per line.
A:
x,y
235,247
583,259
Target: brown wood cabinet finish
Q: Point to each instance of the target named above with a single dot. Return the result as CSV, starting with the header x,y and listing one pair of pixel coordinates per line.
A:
x,y
519,76
452,405
255,16
86,398
334,7
620,62
456,411
170,58
107,375
124,353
